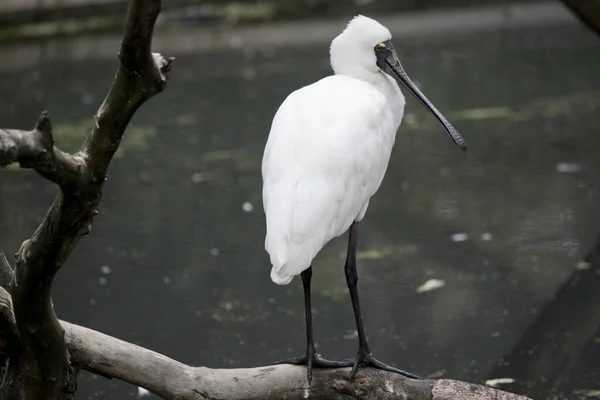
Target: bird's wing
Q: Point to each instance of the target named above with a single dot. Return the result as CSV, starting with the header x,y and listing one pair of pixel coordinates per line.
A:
x,y
322,163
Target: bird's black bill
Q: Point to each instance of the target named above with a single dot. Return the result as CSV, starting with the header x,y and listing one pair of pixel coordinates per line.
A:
x,y
391,65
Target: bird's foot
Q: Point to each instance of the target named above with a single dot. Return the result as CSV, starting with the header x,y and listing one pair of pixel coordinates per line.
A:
x,y
366,359
312,359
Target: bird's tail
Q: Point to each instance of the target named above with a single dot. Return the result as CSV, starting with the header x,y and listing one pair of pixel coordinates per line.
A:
x,y
287,260
280,276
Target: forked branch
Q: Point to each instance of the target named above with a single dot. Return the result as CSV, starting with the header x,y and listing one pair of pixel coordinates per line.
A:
x,y
48,348
44,366
35,149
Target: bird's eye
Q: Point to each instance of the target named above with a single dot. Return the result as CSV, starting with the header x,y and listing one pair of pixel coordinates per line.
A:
x,y
380,47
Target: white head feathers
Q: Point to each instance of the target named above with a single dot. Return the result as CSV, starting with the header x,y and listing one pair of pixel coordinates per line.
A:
x,y
352,51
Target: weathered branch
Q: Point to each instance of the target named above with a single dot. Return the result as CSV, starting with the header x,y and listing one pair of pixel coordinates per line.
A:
x,y
8,325
7,273
172,380
141,75
35,149
9,342
44,362
588,11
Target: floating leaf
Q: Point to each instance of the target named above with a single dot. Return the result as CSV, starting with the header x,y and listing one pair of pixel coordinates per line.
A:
x,y
431,284
589,393
499,381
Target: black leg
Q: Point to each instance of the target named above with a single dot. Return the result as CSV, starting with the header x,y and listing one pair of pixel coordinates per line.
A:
x,y
364,357
311,359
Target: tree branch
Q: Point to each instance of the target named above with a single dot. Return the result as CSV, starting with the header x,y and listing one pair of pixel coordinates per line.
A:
x,y
172,380
44,361
8,325
47,346
588,11
141,75
7,273
35,149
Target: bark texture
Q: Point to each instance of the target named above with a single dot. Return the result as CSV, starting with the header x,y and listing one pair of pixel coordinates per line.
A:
x,y
40,355
44,369
172,380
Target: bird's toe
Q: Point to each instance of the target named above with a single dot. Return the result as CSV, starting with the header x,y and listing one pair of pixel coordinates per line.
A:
x,y
367,360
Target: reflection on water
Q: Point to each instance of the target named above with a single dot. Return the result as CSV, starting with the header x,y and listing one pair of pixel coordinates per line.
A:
x,y
461,254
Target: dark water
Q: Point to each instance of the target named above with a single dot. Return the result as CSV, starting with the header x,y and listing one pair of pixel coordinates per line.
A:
x,y
175,261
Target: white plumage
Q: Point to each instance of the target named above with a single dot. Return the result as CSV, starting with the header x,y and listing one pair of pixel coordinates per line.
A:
x,y
328,150
327,153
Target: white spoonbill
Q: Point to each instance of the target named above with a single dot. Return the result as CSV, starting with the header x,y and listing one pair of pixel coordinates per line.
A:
x,y
326,155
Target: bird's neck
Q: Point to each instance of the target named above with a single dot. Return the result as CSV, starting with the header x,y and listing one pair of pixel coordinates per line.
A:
x,y
383,83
